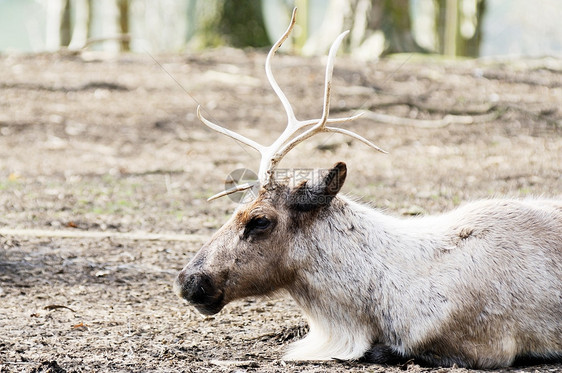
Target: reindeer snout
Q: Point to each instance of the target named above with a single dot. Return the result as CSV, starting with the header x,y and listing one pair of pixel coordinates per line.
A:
x,y
195,287
199,290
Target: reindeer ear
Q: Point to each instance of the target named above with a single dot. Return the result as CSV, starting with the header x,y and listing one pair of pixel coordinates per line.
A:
x,y
306,197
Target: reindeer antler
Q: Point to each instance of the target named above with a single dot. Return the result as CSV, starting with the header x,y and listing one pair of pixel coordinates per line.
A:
x,y
271,155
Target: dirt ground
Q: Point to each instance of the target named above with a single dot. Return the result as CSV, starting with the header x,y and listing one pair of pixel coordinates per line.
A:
x,y
90,143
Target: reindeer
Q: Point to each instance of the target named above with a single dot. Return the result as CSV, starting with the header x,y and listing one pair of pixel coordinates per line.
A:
x,y
480,286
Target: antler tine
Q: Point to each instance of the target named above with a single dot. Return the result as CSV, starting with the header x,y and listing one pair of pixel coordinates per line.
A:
x,y
236,136
235,189
328,80
304,123
355,136
269,73
321,124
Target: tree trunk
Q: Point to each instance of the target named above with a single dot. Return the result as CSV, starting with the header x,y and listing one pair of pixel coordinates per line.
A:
x,y
470,47
397,27
123,6
65,25
448,20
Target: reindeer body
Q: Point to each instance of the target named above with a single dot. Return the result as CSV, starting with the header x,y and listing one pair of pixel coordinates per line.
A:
x,y
478,286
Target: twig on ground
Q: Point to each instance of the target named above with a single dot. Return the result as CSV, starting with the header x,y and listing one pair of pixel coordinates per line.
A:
x,y
139,236
56,307
431,123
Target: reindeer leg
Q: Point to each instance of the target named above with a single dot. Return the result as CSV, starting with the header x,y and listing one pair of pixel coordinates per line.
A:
x,y
383,354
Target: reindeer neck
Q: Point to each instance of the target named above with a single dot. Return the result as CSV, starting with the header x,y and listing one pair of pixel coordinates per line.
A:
x,y
351,259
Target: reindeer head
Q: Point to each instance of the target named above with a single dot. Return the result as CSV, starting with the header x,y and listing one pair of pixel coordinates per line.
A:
x,y
251,254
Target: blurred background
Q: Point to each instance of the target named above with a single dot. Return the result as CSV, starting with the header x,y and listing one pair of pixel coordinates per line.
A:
x,y
473,28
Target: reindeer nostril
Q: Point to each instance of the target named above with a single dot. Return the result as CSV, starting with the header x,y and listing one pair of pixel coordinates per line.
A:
x,y
196,288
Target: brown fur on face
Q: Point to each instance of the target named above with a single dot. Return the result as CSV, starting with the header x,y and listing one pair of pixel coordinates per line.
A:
x,y
247,256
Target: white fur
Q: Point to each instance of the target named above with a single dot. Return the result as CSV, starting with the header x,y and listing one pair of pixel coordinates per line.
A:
x,y
327,340
477,287
403,282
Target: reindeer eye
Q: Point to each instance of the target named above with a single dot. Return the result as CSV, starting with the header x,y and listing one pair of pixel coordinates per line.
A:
x,y
257,226
261,223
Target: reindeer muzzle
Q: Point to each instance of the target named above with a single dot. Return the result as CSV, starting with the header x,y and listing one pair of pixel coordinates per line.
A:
x,y
199,290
